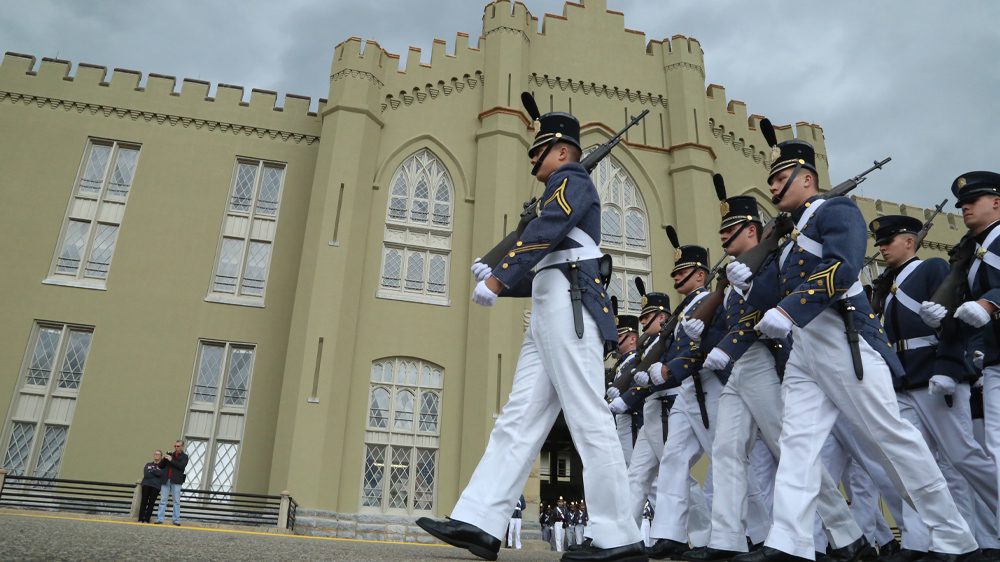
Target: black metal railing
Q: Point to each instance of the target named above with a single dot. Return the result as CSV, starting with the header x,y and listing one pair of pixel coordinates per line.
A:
x,y
81,496
109,498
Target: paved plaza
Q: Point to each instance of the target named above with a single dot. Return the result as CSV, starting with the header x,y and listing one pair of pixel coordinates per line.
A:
x,y
31,535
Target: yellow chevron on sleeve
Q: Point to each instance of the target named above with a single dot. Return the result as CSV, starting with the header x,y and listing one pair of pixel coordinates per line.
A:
x,y
529,248
559,195
827,277
752,317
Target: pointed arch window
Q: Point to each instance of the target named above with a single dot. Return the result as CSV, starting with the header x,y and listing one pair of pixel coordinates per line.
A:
x,y
402,437
417,245
624,231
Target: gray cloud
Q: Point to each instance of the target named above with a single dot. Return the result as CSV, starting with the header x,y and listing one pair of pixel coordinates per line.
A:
x,y
893,77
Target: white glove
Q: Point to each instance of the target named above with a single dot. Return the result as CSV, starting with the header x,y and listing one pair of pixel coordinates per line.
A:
x,y
941,385
693,328
932,313
483,296
612,393
739,275
973,314
716,360
656,374
617,406
641,378
774,324
480,271
977,360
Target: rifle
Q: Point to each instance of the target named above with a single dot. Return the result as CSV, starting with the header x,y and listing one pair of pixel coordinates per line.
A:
x,y
883,283
953,290
532,208
782,224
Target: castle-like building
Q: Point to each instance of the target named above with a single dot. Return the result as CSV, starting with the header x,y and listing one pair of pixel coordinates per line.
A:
x,y
288,290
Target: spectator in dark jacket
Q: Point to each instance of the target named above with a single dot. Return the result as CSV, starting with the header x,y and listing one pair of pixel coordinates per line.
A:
x,y
152,481
173,476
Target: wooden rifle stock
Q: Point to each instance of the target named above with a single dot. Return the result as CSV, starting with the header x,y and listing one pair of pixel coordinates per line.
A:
x,y
650,355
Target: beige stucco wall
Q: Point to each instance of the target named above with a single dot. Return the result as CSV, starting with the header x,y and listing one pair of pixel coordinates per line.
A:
x,y
464,107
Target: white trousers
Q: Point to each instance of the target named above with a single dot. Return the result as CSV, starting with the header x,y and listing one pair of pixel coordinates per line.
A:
x,y
555,371
580,534
687,440
948,432
819,386
645,458
514,533
991,411
752,400
559,536
623,424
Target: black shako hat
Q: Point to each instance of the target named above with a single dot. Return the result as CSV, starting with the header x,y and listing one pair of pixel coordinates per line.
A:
x,y
739,209
884,228
552,127
627,324
971,185
788,153
651,302
690,256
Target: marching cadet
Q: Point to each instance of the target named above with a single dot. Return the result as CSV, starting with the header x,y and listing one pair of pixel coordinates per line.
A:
x,y
560,520
696,399
841,365
751,399
628,423
560,366
659,402
934,392
978,195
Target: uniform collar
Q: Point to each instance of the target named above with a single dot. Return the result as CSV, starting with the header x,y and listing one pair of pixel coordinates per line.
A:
x,y
981,237
896,271
797,213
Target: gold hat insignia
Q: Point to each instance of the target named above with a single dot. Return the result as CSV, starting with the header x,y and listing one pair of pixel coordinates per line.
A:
x,y
775,153
617,321
724,207
875,225
961,183
677,254
645,300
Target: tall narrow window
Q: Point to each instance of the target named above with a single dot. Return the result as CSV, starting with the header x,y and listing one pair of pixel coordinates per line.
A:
x,y
401,443
418,225
96,209
217,414
624,232
36,432
248,230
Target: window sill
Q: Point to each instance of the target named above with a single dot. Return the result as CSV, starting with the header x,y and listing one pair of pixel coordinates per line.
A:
x,y
253,302
93,284
419,299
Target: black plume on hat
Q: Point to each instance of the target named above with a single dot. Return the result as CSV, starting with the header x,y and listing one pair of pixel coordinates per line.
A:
x,y
640,286
672,235
528,101
767,129
720,186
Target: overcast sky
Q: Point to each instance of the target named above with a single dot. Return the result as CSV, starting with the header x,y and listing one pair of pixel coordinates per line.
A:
x,y
917,80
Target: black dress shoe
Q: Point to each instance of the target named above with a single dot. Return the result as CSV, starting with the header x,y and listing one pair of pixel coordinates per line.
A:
x,y
851,552
888,549
586,542
590,553
462,535
989,555
768,554
667,549
709,554
942,557
903,555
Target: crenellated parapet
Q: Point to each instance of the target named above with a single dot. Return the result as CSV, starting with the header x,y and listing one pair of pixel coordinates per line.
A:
x,y
682,53
121,93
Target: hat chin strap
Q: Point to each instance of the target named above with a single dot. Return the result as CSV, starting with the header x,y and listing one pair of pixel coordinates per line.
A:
x,y
735,234
788,183
694,269
541,158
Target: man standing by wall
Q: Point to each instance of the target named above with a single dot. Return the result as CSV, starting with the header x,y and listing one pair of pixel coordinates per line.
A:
x,y
173,476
